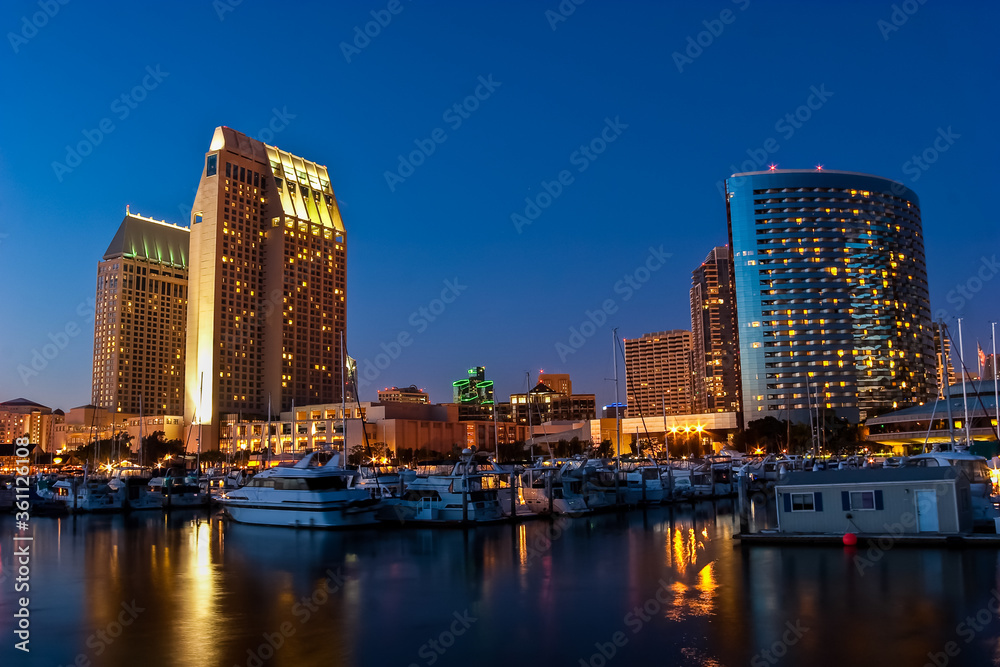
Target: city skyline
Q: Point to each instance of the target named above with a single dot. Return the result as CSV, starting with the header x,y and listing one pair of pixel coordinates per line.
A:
x,y
515,184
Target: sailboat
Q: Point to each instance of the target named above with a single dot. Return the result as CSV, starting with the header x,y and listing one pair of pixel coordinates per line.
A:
x,y
86,494
131,480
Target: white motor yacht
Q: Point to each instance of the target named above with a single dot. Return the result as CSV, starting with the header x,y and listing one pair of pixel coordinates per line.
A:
x,y
132,483
510,505
644,481
976,470
446,492
179,488
379,482
306,495
80,494
555,486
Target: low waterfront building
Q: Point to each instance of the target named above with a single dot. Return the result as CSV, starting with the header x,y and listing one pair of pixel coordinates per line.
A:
x,y
441,428
10,461
906,431
884,501
411,426
86,423
684,435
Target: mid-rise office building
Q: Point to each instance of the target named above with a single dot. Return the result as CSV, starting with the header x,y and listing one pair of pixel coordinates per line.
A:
x,y
831,294
715,353
411,394
267,307
659,376
474,396
558,382
140,319
942,358
544,403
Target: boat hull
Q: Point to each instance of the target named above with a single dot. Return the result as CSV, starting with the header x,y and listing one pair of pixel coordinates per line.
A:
x,y
175,501
403,512
341,515
537,501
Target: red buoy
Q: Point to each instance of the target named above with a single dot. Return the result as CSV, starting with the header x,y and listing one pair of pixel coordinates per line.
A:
x,y
850,539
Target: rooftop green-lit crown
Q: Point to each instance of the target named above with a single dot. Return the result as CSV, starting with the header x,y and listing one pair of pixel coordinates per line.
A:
x,y
139,237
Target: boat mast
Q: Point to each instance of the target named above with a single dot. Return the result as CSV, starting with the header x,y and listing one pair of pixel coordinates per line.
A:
x,y
812,429
965,398
496,436
268,454
996,388
201,389
947,384
527,405
343,402
141,452
618,416
666,445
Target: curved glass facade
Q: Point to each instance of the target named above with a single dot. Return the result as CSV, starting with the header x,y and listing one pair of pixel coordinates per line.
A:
x,y
831,294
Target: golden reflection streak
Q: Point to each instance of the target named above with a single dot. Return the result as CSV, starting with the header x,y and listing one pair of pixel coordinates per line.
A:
x,y
697,600
522,544
196,602
680,561
685,549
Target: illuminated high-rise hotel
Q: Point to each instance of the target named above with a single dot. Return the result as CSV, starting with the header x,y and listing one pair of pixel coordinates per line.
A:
x,y
267,290
715,362
140,318
831,294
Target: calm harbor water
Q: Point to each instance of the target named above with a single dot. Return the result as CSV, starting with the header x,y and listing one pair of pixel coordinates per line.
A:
x,y
665,586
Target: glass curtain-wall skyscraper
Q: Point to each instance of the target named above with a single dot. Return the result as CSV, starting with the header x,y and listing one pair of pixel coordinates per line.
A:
x,y
831,294
267,302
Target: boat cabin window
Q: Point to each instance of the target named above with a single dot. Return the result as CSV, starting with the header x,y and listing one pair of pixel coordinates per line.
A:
x,y
426,469
331,483
415,495
291,484
977,471
334,482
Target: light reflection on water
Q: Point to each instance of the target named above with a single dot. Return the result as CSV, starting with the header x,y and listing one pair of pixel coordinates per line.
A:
x,y
216,593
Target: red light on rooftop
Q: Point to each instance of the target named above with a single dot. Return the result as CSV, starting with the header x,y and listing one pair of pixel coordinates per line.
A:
x,y
773,167
819,167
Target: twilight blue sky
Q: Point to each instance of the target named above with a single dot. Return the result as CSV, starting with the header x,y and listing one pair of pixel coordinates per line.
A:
x,y
681,129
